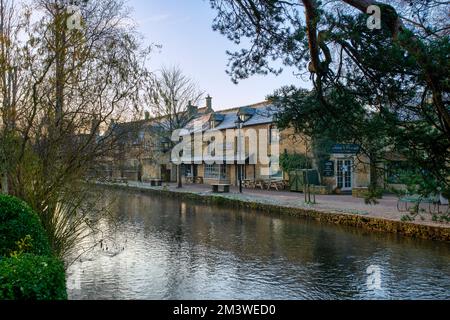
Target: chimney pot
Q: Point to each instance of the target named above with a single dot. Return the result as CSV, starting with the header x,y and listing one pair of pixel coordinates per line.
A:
x,y
209,103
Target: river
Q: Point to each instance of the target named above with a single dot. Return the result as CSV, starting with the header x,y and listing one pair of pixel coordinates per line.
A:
x,y
163,248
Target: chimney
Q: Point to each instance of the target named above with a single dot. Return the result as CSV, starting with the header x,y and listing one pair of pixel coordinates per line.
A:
x,y
147,115
209,103
192,110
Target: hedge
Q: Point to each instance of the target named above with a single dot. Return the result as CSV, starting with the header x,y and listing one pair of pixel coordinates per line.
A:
x,y
31,277
17,221
28,269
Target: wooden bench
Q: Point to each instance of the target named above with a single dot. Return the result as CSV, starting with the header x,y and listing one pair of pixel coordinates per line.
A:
x,y
225,188
156,182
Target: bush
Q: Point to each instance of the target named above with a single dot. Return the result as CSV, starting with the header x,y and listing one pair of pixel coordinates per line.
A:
x,y
18,222
290,162
31,277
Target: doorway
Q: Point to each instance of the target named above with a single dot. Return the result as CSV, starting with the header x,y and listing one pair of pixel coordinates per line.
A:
x,y
344,175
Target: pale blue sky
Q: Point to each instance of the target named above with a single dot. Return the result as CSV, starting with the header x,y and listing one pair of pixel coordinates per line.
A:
x,y
183,28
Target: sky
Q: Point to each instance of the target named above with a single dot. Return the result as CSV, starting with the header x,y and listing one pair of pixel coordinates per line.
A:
x,y
183,28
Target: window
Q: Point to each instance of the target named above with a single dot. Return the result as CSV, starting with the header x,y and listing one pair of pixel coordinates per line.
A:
x,y
275,169
274,135
244,117
212,147
139,138
215,171
188,171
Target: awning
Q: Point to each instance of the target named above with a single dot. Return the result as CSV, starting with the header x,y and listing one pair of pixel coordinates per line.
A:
x,y
216,160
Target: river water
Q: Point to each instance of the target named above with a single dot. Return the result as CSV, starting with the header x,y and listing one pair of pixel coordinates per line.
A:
x,y
163,248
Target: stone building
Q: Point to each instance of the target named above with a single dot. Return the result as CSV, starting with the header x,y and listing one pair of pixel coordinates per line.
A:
x,y
345,169
144,155
258,129
140,153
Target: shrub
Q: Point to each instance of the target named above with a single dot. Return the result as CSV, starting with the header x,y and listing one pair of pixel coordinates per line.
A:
x,y
31,277
18,222
290,162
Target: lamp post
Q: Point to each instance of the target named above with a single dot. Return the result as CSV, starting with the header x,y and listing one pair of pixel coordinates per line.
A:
x,y
239,124
180,166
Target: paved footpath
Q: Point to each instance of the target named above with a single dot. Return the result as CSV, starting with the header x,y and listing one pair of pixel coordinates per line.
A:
x,y
346,204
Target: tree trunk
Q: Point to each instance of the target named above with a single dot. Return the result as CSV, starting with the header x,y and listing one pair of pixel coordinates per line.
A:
x,y
5,185
410,43
311,27
60,53
180,183
373,172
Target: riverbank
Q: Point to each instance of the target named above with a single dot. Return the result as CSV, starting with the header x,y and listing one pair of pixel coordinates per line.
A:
x,y
340,210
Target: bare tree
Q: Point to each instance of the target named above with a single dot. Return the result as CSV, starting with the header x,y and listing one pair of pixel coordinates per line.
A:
x,y
170,96
73,85
11,24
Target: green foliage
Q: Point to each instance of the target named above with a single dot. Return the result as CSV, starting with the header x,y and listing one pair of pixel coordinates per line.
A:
x,y
290,162
322,146
31,277
19,223
406,218
23,245
374,193
442,218
399,105
422,184
30,272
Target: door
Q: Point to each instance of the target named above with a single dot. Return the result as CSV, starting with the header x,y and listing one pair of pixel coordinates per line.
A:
x,y
195,171
344,174
240,173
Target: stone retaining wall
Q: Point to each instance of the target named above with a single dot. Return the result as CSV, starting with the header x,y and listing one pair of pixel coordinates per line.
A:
x,y
369,223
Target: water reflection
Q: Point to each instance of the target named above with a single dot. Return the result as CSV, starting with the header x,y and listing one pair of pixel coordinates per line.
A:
x,y
183,250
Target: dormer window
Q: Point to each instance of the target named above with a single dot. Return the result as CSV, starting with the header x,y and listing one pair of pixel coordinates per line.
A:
x,y
246,114
244,117
215,120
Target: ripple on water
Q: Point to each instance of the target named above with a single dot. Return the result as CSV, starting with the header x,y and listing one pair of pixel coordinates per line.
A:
x,y
183,250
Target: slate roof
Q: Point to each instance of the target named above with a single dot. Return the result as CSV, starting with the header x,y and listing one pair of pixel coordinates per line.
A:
x,y
264,113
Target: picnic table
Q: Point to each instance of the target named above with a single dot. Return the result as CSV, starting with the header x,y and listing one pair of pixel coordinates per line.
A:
x,y
189,179
265,184
249,184
276,184
260,184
